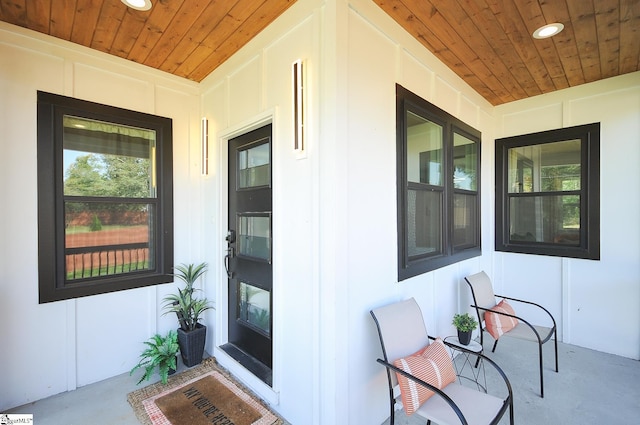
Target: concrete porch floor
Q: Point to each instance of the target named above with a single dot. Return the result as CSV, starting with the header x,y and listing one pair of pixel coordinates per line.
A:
x,y
591,388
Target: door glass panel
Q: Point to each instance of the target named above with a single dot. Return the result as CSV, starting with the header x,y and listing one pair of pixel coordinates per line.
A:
x,y
255,307
254,236
253,166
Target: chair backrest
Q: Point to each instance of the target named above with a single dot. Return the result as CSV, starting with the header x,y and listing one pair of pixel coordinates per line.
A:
x,y
401,329
482,290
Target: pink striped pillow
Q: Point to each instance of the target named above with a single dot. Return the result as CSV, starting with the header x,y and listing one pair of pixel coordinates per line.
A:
x,y
498,324
433,365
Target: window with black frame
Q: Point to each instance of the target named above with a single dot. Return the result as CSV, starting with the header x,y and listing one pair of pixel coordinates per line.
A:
x,y
105,198
548,193
438,160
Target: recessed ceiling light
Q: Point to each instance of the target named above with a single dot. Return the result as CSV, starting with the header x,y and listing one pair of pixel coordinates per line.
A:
x,y
548,30
138,4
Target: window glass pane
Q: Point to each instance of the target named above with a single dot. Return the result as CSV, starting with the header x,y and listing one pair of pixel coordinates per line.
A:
x,y
464,219
105,198
424,151
253,166
254,236
424,223
105,238
105,159
547,167
255,307
549,219
465,161
438,178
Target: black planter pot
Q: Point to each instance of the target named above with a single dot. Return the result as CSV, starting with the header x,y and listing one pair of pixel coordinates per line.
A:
x,y
192,345
172,371
464,337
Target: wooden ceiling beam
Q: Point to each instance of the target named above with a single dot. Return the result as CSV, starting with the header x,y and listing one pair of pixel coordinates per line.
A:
x,y
406,18
533,18
61,20
258,20
607,14
132,24
629,36
508,66
14,11
487,43
205,26
565,42
108,26
85,21
584,26
155,26
38,15
513,25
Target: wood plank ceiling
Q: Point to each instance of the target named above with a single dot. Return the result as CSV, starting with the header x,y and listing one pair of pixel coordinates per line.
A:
x,y
487,43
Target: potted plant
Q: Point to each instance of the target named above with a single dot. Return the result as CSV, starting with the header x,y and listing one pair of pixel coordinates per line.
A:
x,y
161,353
465,324
189,309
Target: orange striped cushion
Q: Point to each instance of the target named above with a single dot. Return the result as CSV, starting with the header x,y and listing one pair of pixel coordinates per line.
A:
x,y
431,364
497,324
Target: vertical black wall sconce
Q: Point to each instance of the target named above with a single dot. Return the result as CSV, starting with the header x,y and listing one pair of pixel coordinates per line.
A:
x,y
204,140
298,105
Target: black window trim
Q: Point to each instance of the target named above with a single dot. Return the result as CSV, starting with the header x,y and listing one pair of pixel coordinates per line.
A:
x,y
589,247
407,268
50,110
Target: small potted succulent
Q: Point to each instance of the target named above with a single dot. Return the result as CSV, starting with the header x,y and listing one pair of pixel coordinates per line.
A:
x,y
161,353
189,309
465,324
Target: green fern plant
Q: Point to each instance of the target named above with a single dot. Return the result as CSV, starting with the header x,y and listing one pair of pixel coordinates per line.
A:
x,y
160,354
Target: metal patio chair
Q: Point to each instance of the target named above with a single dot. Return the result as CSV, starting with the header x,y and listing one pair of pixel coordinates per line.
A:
x,y
484,299
403,333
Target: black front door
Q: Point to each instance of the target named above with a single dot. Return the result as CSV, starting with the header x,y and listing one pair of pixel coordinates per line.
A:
x,y
249,255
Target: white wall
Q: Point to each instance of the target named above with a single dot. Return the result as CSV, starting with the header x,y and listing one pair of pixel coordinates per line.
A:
x,y
380,55
597,302
249,90
55,347
334,208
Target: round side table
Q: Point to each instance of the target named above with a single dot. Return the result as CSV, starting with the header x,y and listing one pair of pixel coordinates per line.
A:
x,y
474,348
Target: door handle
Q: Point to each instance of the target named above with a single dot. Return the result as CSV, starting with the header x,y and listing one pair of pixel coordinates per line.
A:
x,y
229,255
230,238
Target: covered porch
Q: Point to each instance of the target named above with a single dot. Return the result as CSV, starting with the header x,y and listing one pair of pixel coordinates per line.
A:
x,y
592,387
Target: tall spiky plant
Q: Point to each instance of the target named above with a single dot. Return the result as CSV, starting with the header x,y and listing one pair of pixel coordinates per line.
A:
x,y
187,307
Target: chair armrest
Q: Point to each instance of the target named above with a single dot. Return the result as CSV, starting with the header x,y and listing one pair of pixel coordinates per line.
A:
x,y
533,329
436,390
530,303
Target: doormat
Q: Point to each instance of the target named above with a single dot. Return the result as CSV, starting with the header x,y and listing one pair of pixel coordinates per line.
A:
x,y
201,395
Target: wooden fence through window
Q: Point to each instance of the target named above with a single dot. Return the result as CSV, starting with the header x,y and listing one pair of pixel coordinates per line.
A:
x,y
105,260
